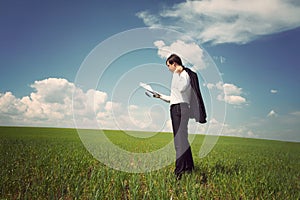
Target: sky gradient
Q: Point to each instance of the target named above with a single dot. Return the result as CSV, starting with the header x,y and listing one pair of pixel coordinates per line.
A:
x,y
44,45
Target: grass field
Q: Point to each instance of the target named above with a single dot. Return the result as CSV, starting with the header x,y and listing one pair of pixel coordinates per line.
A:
x,y
50,163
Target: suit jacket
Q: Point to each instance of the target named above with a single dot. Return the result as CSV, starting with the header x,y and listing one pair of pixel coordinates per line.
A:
x,y
197,108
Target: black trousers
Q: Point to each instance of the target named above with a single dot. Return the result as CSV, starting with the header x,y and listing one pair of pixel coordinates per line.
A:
x,y
180,118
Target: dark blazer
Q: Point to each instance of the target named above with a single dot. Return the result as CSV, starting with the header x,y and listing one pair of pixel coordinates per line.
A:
x,y
197,108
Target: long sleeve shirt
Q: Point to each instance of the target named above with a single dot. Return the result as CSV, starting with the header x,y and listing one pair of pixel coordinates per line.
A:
x,y
180,89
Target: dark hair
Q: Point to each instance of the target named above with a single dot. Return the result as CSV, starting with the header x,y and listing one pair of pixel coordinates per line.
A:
x,y
174,58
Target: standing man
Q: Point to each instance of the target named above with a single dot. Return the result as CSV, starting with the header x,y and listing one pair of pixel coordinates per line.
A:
x,y
182,93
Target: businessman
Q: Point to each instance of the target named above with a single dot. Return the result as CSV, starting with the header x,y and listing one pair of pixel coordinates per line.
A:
x,y
184,94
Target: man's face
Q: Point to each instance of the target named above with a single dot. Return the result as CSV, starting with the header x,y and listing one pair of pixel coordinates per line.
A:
x,y
172,67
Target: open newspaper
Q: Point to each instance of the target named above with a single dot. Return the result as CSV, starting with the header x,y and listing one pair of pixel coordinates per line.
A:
x,y
152,93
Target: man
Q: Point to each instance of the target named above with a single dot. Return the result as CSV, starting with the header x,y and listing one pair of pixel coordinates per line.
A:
x,y
181,93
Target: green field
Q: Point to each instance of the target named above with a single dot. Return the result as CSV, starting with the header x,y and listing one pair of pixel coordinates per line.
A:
x,y
50,163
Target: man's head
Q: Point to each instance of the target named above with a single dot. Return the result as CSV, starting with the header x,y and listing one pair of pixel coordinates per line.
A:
x,y
173,62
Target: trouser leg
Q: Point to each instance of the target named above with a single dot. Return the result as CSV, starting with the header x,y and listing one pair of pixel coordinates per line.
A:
x,y
184,159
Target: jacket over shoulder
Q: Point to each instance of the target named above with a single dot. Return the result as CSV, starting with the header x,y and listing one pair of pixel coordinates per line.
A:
x,y
197,108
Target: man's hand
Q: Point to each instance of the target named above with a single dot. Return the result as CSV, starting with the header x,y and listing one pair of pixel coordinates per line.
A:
x,y
178,69
155,95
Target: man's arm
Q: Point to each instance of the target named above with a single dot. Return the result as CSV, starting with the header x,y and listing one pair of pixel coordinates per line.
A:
x,y
184,81
162,97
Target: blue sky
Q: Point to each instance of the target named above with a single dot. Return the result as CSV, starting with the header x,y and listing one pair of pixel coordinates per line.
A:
x,y
255,47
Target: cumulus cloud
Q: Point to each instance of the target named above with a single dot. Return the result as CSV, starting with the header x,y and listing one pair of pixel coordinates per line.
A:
x,y
52,90
192,53
227,21
92,106
9,104
231,89
229,93
56,102
49,105
233,99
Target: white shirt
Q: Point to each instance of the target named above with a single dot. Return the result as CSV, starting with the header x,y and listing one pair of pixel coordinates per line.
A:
x,y
180,89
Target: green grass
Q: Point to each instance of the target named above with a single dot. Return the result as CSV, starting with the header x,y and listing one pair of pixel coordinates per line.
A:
x,y
50,163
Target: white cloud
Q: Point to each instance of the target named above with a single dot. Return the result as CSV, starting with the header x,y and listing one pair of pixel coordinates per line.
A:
x,y
227,21
221,59
282,127
9,104
52,90
113,106
210,85
231,89
92,106
213,121
273,91
272,113
96,98
230,130
54,101
295,113
190,53
234,99
279,127
229,93
50,104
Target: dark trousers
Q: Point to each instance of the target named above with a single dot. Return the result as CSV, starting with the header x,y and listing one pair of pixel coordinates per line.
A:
x,y
180,118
